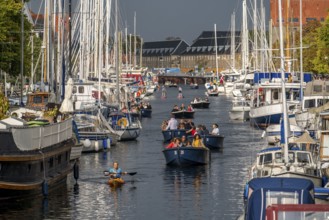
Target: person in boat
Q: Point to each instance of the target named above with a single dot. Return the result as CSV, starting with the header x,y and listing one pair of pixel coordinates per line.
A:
x,y
182,107
189,124
148,106
215,129
192,131
164,91
197,141
183,141
115,171
205,130
195,100
174,143
164,125
180,92
181,125
172,123
175,109
190,108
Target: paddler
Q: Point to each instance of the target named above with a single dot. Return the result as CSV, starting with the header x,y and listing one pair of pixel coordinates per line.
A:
x,y
115,174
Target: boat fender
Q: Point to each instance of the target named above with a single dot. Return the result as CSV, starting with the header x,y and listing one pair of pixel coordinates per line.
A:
x,y
263,134
122,122
96,145
76,171
87,143
104,144
45,188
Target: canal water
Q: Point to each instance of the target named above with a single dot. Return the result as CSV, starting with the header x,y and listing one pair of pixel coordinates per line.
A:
x,y
156,191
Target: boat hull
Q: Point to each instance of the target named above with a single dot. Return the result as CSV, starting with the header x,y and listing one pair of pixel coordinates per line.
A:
x,y
128,134
213,142
168,135
239,114
200,104
183,114
146,113
187,156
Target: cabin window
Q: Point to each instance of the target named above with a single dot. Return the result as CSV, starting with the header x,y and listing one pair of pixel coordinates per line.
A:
x,y
275,95
37,99
317,88
279,158
74,90
281,197
319,102
81,89
51,162
309,103
265,159
303,158
45,99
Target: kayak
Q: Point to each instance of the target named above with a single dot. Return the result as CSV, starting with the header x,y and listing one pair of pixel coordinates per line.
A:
x,y
117,182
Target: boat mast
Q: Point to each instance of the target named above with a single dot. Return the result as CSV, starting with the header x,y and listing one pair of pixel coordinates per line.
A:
x,y
116,52
22,51
284,104
215,34
135,40
301,92
233,40
255,35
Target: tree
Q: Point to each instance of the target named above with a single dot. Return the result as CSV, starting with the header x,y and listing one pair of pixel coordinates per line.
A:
x,y
10,38
321,59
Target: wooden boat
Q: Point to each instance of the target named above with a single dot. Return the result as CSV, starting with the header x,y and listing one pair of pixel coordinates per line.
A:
x,y
183,114
187,156
146,113
168,135
200,104
115,183
35,158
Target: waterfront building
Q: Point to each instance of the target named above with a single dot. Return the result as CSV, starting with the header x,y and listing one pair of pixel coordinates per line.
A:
x,y
163,54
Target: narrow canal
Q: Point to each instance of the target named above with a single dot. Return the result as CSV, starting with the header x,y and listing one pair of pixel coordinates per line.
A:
x,y
156,191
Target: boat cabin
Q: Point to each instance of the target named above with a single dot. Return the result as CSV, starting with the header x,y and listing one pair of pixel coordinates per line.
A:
x,y
271,161
324,137
316,94
37,100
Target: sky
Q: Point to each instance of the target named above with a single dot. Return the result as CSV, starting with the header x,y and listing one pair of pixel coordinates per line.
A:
x,y
158,19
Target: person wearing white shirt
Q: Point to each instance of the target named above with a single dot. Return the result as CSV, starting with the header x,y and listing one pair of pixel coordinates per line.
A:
x,y
215,129
172,123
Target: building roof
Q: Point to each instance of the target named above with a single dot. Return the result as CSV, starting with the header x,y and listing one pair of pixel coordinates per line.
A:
x,y
205,43
164,48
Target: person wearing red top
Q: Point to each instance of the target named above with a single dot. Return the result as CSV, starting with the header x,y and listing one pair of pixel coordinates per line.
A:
x,y
192,131
174,143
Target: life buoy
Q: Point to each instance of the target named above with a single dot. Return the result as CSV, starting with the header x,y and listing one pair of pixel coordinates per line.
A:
x,y
122,122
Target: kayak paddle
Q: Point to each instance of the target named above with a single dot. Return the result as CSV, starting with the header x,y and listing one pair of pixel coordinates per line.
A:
x,y
106,173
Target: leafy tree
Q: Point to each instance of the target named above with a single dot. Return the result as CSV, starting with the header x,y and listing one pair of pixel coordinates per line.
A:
x,y
321,59
10,38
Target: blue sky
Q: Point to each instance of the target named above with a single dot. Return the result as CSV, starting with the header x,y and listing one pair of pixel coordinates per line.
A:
x,y
158,19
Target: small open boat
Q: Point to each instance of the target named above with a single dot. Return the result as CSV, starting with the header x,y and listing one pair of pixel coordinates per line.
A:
x,y
200,104
146,113
194,86
187,156
213,142
183,114
117,182
168,135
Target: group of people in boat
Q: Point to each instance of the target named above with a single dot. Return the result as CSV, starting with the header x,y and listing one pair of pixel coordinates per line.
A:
x,y
188,124
198,99
183,142
176,108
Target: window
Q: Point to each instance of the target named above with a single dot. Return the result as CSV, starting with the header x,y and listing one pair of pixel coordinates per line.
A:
x,y
265,159
303,157
295,20
317,88
74,89
281,197
81,89
310,19
309,103
37,99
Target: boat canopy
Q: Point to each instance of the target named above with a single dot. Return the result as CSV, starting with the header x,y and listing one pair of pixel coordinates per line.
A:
x,y
263,192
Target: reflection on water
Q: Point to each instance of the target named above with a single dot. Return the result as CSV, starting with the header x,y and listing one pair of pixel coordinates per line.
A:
x,y
156,191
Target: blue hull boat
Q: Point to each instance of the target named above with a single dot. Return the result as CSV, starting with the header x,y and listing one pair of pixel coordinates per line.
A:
x,y
146,113
187,156
168,135
213,141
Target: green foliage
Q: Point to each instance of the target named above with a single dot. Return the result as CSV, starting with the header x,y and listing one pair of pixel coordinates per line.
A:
x,y
321,59
10,38
4,106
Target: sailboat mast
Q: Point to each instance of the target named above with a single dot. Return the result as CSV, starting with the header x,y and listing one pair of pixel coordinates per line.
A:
x,y
22,51
215,34
284,104
135,40
301,92
233,40
116,52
